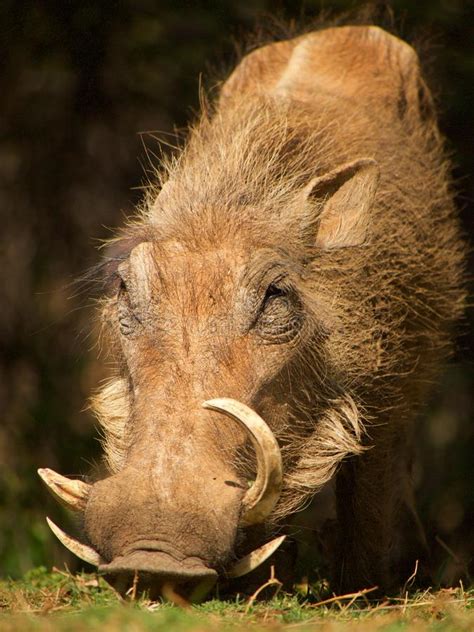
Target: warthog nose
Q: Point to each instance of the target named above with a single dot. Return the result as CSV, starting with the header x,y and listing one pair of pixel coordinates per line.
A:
x,y
154,571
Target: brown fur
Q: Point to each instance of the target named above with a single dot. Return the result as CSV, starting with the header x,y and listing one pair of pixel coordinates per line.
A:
x,y
376,294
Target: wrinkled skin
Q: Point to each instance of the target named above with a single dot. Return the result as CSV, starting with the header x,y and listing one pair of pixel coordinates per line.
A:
x,y
302,257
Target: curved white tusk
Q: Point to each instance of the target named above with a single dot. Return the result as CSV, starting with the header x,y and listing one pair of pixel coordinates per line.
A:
x,y
255,558
83,552
71,493
262,497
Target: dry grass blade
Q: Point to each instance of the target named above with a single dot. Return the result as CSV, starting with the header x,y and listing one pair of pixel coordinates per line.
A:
x,y
410,580
337,598
273,581
132,591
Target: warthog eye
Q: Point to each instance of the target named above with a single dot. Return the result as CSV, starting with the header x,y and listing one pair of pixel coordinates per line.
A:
x,y
128,321
280,315
273,291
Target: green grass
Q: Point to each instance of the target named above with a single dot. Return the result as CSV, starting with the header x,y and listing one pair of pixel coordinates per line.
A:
x,y
58,601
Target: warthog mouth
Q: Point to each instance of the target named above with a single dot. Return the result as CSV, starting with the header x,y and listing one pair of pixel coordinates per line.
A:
x,y
159,564
159,570
159,574
153,563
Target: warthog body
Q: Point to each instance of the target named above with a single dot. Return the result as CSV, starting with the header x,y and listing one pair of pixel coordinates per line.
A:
x,y
301,256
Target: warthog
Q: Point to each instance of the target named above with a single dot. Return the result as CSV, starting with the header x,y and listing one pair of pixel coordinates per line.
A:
x,y
276,314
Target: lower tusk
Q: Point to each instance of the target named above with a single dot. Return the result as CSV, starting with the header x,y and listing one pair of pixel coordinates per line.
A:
x,y
71,493
82,551
251,561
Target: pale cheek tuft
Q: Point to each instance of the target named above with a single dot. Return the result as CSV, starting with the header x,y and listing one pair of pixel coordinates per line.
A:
x,y
111,406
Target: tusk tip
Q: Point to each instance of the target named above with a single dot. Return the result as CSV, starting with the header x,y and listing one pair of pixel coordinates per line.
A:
x,y
224,403
72,493
82,551
211,403
51,525
254,559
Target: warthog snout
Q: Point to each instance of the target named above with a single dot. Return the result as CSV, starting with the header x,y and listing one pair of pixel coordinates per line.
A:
x,y
174,535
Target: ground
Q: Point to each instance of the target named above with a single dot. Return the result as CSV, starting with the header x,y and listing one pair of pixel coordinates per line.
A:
x,y
57,600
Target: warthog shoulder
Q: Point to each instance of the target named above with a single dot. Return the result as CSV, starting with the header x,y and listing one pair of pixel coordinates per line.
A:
x,y
360,63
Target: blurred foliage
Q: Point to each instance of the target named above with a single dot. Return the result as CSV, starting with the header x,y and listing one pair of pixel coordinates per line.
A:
x,y
79,81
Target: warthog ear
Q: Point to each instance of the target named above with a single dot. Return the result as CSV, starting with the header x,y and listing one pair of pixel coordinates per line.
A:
x,y
346,196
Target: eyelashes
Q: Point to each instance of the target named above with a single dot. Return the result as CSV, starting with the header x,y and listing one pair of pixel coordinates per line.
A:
x,y
127,318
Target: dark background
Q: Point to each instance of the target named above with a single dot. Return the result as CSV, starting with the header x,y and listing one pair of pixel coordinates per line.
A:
x,y
79,81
